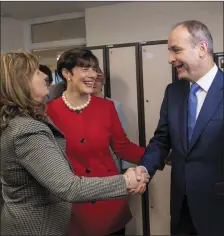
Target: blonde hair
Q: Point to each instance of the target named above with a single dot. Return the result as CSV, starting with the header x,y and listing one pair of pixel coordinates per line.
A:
x,y
16,71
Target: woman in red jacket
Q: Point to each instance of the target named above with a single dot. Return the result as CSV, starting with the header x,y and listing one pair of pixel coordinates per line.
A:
x,y
91,125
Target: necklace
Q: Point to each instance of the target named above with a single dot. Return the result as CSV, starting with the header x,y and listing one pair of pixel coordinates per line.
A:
x,y
78,108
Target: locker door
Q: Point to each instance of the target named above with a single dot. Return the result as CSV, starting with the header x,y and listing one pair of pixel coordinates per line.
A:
x,y
157,74
122,69
99,53
123,85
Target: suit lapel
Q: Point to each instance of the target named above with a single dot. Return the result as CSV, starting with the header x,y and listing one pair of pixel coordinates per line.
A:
x,y
210,105
183,113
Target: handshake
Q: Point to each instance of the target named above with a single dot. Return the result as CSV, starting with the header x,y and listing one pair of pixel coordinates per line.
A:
x,y
136,179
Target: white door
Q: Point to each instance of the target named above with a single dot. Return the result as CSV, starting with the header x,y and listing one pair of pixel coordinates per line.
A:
x,y
99,54
122,63
157,74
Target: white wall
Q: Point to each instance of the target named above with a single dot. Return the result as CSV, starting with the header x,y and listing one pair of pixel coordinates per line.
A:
x,y
146,21
12,34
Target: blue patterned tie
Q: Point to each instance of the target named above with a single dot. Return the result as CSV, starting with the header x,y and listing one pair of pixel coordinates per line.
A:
x,y
192,109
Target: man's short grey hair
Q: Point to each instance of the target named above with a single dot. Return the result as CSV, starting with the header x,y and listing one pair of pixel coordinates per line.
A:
x,y
199,32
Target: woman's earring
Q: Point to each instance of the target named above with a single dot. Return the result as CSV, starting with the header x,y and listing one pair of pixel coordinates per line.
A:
x,y
69,79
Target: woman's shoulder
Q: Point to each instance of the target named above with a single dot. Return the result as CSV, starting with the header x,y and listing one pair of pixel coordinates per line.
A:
x,y
116,103
55,102
25,124
54,107
102,101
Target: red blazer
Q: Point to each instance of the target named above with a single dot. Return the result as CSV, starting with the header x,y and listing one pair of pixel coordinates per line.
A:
x,y
88,137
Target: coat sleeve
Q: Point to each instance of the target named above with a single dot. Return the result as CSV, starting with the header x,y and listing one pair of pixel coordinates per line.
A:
x,y
159,146
121,145
38,152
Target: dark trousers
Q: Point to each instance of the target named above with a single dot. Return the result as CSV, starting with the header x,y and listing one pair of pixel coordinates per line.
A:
x,y
185,225
120,232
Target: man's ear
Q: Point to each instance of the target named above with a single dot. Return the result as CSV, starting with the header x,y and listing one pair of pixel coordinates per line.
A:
x,y
203,48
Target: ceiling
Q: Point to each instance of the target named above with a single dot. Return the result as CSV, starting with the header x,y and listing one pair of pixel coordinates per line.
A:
x,y
28,10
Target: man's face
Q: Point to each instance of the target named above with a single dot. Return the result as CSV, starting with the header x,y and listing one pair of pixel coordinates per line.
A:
x,y
184,55
99,82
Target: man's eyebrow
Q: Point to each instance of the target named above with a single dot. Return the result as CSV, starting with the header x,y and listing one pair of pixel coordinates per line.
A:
x,y
174,47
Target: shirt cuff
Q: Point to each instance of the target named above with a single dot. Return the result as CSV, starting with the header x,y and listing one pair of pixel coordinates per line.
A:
x,y
145,169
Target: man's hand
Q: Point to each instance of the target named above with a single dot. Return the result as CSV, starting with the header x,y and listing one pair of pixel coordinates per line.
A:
x,y
139,171
136,184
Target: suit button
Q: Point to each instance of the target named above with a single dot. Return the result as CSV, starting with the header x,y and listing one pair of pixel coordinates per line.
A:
x,y
82,140
88,170
183,185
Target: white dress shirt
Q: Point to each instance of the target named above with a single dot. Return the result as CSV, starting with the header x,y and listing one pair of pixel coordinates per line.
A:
x,y
204,83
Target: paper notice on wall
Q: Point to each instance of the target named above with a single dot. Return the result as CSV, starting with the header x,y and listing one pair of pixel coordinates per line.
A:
x,y
148,55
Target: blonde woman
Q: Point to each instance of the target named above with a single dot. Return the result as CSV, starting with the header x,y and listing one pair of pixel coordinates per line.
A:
x,y
38,184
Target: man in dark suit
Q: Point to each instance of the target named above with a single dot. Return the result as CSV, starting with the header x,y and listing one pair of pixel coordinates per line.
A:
x,y
192,125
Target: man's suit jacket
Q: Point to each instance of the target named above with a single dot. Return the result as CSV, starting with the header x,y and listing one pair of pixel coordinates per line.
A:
x,y
197,167
38,183
57,90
